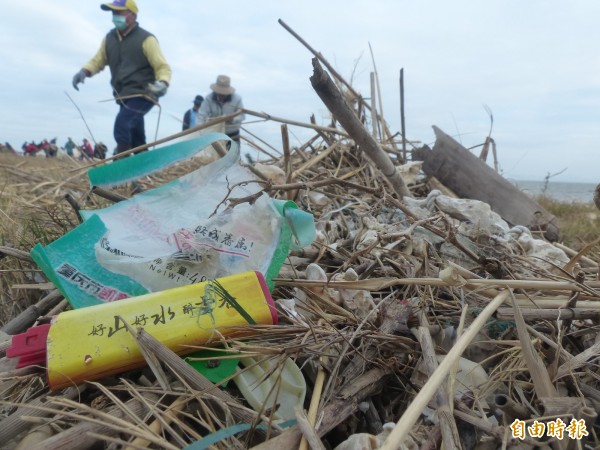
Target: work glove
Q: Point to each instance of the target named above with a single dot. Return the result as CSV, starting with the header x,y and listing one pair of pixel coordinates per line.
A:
x,y
158,88
79,78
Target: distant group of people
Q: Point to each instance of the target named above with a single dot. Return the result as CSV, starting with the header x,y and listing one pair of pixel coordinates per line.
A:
x,y
85,150
140,75
50,149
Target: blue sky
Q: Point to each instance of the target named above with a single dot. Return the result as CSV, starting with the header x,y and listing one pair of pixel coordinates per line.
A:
x,y
535,65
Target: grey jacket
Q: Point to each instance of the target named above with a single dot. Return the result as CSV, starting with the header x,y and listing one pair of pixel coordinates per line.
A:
x,y
211,108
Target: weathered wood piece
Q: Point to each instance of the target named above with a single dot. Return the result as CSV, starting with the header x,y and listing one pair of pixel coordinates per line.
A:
x,y
335,102
469,177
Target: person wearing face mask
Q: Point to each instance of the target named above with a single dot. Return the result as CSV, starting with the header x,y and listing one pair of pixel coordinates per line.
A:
x,y
139,72
220,102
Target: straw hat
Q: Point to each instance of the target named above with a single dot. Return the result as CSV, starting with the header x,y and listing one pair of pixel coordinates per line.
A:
x,y
223,85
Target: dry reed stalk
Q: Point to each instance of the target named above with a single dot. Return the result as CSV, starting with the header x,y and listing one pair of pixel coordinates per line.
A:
x,y
156,426
20,254
79,436
197,381
316,396
273,157
25,319
450,437
577,361
34,437
373,107
202,126
13,425
311,162
309,435
354,194
36,286
539,374
376,284
579,255
331,69
532,314
338,410
296,123
415,408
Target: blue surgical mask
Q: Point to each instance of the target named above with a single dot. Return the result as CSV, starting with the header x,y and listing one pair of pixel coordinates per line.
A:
x,y
120,22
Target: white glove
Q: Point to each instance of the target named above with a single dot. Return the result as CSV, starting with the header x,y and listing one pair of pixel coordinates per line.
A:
x,y
158,88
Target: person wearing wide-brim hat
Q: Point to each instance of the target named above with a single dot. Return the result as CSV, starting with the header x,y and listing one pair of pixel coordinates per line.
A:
x,y
223,101
190,118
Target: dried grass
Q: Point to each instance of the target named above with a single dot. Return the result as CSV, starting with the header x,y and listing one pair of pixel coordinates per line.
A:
x,y
402,267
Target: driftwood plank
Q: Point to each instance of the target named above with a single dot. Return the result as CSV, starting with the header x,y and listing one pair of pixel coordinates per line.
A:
x,y
470,177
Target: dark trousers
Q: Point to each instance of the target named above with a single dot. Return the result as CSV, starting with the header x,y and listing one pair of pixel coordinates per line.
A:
x,y
234,136
129,131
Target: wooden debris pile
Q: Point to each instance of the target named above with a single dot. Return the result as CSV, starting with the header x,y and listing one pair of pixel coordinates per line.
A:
x,y
419,320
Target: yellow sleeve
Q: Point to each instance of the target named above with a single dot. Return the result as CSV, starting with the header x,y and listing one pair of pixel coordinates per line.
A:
x,y
162,69
98,62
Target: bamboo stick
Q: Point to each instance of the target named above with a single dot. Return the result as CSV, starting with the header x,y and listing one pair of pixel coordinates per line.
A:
x,y
379,114
415,408
531,314
62,305
402,119
384,283
287,162
373,106
108,195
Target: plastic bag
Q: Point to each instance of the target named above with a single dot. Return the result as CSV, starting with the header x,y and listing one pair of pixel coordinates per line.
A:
x,y
176,234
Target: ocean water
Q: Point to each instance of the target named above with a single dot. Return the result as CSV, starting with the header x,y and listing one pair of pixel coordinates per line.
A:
x,y
560,191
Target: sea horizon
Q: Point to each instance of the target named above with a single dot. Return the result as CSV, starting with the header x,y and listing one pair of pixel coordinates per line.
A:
x,y
562,191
